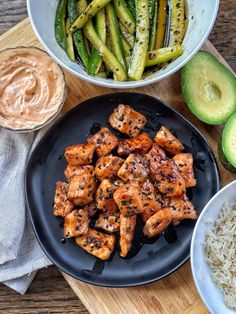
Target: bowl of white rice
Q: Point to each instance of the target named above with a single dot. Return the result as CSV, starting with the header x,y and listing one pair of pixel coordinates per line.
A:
x,y
213,252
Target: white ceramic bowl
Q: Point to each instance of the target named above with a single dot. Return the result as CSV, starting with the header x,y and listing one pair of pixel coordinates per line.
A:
x,y
208,290
201,15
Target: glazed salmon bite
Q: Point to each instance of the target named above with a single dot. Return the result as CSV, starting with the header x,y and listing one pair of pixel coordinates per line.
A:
x,y
126,120
81,189
76,223
104,196
137,145
135,167
62,205
79,155
184,163
168,141
129,199
72,171
104,142
109,222
97,243
151,200
107,167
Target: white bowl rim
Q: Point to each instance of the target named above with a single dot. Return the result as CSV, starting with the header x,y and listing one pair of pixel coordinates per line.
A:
x,y
128,84
222,190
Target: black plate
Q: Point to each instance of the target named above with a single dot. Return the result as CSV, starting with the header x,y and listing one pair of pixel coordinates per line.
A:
x,y
149,260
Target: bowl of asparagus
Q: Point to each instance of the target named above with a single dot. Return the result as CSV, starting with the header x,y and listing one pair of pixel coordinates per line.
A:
x,y
122,43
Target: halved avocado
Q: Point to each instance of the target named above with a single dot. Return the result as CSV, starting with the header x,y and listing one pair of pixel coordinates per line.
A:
x,y
227,146
209,88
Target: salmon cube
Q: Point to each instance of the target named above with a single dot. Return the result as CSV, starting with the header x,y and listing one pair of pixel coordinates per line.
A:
x,y
157,223
154,156
82,189
104,196
107,167
62,206
104,142
76,223
156,153
129,199
180,207
109,222
91,208
184,164
168,179
97,243
136,145
168,141
127,229
151,200
126,120
135,167
79,155
72,171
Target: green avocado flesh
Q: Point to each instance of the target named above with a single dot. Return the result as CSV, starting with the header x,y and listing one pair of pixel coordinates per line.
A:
x,y
209,88
227,147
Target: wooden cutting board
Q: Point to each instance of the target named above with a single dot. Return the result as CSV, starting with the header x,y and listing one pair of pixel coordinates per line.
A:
x,y
175,293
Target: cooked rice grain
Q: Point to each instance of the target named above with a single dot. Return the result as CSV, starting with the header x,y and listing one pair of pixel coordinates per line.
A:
x,y
220,249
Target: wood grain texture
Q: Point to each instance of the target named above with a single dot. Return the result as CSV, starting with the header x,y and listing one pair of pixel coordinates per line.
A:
x,y
49,293
171,295
223,34
11,13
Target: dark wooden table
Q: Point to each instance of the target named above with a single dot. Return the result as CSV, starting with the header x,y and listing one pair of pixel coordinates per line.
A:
x,y
49,292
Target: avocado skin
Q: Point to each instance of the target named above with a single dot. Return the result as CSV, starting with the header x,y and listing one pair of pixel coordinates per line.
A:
x,y
223,159
187,79
226,154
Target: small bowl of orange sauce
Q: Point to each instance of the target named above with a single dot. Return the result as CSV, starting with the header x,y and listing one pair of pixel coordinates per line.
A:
x,y
32,89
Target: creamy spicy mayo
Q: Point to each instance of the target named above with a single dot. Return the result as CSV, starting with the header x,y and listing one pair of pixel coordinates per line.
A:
x,y
32,88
